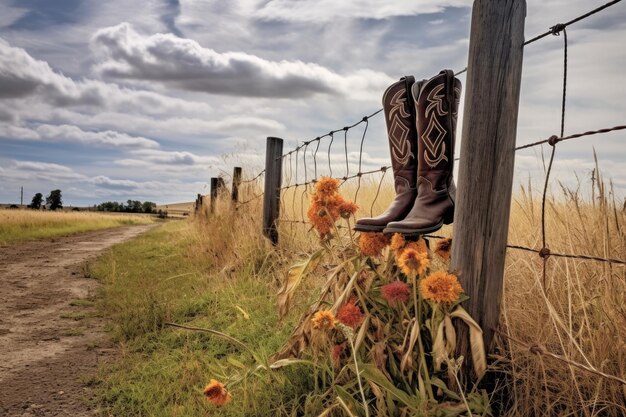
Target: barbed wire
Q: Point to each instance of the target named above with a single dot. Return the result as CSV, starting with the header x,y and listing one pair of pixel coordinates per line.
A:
x,y
561,26
254,178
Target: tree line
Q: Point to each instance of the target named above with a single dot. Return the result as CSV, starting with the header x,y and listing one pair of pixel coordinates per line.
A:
x,y
131,206
54,201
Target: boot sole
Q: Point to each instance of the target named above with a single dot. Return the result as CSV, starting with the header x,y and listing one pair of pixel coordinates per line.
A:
x,y
414,232
368,228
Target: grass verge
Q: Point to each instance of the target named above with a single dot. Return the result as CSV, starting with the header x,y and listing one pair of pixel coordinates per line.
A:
x,y
161,277
21,225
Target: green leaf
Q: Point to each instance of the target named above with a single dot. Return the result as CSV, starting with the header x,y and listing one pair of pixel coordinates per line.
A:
x,y
375,376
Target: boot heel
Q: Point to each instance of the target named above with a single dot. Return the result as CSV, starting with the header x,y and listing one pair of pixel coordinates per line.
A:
x,y
449,216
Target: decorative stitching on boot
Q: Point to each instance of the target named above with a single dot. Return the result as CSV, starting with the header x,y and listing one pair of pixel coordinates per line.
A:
x,y
398,132
435,133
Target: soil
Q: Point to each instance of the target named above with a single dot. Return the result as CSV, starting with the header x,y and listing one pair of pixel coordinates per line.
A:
x,y
51,340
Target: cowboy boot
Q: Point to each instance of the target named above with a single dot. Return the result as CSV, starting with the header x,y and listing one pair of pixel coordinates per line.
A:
x,y
437,106
399,113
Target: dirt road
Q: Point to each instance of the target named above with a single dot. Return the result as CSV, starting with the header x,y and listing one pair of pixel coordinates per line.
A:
x,y
50,338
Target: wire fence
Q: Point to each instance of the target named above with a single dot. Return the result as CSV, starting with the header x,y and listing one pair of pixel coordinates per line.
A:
x,y
340,154
303,165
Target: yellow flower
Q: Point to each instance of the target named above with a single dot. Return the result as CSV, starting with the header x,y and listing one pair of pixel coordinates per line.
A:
x,y
413,262
372,244
443,248
216,393
323,320
441,287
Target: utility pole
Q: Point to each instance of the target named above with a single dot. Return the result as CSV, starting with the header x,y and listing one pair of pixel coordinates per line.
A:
x,y
21,196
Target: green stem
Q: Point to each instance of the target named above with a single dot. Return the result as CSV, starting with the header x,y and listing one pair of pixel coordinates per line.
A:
x,y
358,377
422,354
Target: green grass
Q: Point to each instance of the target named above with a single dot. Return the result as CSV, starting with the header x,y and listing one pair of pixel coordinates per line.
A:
x,y
22,225
161,277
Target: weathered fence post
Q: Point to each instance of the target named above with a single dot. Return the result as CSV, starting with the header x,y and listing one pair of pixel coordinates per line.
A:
x,y
234,194
485,178
214,188
198,203
273,182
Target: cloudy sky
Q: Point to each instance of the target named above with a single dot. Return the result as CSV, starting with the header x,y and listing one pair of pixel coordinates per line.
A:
x,y
111,100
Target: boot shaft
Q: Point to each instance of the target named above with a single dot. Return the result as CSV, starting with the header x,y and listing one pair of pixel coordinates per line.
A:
x,y
399,110
437,109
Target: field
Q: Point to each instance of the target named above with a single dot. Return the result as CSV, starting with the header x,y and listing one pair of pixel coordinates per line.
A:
x,y
21,225
217,273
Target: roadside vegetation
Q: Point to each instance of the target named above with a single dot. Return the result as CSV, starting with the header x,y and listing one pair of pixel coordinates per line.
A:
x,y
217,273
22,225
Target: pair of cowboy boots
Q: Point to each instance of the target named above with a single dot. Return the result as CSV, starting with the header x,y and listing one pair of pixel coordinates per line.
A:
x,y
421,124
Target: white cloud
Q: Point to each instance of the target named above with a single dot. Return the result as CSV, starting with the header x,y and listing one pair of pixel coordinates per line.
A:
x,y
73,134
22,76
185,64
331,10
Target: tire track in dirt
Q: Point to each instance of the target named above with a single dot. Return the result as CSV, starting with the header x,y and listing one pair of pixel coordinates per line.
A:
x,y
50,340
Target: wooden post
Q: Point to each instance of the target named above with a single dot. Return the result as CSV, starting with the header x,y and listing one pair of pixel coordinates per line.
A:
x,y
214,189
198,202
234,195
273,182
485,176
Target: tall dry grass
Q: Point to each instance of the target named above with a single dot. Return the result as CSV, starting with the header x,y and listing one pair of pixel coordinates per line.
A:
x,y
577,314
20,225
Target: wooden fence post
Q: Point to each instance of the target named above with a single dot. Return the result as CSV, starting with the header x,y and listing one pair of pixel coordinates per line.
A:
x,y
273,182
214,188
485,176
234,194
198,202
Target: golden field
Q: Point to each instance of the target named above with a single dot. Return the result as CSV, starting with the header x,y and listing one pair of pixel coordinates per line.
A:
x,y
21,225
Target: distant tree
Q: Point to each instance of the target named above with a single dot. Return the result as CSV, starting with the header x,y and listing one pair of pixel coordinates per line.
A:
x,y
36,202
134,206
148,207
54,201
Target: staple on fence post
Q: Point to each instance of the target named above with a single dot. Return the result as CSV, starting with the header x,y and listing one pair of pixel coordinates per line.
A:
x,y
234,195
485,176
273,182
214,189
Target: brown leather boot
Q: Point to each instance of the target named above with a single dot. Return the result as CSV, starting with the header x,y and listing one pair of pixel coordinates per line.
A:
x,y
437,106
399,113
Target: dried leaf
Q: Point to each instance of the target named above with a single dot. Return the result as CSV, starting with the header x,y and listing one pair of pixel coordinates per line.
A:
x,y
479,358
295,274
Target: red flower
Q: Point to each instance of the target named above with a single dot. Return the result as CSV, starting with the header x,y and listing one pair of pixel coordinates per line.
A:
x,y
350,315
337,353
395,293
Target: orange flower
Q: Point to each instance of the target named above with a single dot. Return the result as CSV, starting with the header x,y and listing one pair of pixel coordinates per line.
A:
x,y
216,393
396,292
413,262
350,315
441,287
326,187
443,248
419,245
372,244
321,218
323,320
397,241
347,208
